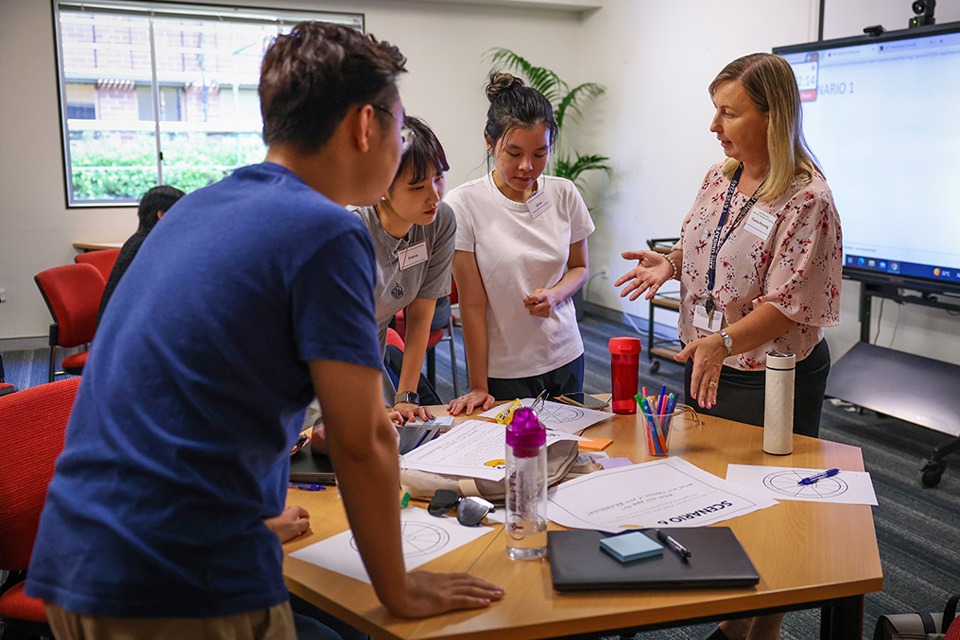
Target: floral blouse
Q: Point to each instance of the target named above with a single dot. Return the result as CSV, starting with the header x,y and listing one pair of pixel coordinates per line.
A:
x,y
796,267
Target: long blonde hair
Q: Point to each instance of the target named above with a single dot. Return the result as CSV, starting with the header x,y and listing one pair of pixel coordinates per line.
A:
x,y
772,87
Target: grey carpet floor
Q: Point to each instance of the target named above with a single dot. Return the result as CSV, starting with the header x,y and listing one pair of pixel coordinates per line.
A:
x,y
918,529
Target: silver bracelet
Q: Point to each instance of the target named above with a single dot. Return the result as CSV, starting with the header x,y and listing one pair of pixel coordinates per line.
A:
x,y
673,264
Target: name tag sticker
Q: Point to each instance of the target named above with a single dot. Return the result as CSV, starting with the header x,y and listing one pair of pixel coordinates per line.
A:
x,y
760,223
538,203
712,321
413,255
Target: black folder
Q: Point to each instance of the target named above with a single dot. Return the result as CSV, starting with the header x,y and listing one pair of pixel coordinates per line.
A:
x,y
312,468
577,562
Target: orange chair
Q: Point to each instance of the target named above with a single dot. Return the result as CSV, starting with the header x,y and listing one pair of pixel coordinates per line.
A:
x,y
32,424
72,293
102,259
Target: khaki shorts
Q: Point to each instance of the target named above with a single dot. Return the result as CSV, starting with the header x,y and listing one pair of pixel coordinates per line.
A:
x,y
275,623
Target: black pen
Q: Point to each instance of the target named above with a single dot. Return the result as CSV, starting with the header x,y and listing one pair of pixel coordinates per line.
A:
x,y
671,542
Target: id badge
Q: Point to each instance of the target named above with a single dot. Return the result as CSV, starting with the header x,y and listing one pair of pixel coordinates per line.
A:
x,y
412,256
707,321
538,203
760,223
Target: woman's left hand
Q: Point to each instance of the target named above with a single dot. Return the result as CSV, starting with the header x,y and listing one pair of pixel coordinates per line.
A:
x,y
708,355
540,303
412,412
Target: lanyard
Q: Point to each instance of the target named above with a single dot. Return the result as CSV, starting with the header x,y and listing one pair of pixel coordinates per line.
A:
x,y
717,242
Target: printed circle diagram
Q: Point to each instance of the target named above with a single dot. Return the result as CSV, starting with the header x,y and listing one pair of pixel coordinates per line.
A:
x,y
418,539
785,483
560,414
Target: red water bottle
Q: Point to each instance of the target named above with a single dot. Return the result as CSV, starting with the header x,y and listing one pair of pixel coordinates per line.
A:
x,y
624,373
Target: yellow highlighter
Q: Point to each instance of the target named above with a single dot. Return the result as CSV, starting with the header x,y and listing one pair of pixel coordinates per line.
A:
x,y
506,415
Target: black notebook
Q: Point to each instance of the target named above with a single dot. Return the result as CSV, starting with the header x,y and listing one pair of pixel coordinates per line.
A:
x,y
309,467
577,562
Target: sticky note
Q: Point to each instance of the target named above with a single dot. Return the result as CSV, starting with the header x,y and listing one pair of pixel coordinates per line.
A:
x,y
594,444
632,546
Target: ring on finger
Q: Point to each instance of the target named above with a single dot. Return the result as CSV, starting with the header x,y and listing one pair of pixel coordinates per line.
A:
x,y
713,383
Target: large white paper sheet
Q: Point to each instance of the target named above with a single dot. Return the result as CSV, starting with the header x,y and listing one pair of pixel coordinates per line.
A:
x,y
558,416
780,483
424,538
473,449
663,493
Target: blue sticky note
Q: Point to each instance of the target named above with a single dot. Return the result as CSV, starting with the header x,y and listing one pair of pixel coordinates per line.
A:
x,y
631,546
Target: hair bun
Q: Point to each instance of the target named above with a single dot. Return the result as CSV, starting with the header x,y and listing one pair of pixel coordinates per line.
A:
x,y
501,82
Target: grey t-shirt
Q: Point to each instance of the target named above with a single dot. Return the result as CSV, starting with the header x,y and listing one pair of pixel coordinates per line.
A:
x,y
430,279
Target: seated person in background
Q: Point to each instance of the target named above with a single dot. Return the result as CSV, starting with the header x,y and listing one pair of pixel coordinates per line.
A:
x,y
413,233
153,204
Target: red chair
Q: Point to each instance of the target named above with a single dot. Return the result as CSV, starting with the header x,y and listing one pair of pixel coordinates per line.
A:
x,y
437,336
32,424
102,259
72,293
394,338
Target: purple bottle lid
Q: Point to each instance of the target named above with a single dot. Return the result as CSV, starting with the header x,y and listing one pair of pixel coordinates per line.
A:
x,y
525,434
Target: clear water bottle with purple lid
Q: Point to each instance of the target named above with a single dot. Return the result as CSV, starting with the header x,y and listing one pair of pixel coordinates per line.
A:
x,y
526,523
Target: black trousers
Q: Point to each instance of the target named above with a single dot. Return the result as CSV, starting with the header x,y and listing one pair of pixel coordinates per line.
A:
x,y
565,379
740,394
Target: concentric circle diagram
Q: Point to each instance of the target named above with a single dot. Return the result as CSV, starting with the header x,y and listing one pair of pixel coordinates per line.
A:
x,y
419,539
785,483
559,414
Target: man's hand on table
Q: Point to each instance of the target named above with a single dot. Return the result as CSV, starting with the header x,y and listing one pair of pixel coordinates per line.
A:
x,y
430,594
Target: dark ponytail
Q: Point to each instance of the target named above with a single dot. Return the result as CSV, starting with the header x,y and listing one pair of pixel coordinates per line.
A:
x,y
514,105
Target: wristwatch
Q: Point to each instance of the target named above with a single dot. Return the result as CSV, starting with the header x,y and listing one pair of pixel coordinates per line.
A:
x,y
407,396
727,342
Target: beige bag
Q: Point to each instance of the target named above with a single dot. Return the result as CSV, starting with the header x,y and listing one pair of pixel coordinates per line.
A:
x,y
917,626
423,484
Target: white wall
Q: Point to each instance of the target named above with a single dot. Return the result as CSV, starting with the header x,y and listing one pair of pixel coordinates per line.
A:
x,y
656,58
444,44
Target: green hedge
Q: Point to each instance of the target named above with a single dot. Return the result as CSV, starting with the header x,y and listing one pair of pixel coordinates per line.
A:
x,y
122,166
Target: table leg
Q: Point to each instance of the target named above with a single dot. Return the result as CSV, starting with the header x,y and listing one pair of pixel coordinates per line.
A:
x,y
842,619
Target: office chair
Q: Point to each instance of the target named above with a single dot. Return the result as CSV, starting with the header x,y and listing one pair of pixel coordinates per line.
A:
x,y
32,425
72,293
5,387
444,334
102,259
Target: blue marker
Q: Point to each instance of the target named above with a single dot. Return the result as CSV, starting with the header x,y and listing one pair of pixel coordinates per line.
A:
x,y
308,487
829,473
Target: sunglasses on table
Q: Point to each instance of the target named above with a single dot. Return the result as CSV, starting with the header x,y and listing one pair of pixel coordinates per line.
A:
x,y
470,510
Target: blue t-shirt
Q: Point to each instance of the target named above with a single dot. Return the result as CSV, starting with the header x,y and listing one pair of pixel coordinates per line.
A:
x,y
188,404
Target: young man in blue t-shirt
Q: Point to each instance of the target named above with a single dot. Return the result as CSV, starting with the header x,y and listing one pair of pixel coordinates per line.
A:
x,y
217,336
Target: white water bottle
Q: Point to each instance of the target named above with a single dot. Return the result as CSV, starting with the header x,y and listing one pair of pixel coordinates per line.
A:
x,y
526,484
778,403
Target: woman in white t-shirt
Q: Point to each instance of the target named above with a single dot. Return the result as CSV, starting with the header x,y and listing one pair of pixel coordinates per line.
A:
x,y
521,254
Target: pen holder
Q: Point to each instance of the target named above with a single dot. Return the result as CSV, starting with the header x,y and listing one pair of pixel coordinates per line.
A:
x,y
657,429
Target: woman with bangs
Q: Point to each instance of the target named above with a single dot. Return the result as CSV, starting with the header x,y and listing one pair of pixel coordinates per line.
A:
x,y
413,236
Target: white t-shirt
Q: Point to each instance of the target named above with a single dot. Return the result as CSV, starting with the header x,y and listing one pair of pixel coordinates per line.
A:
x,y
516,253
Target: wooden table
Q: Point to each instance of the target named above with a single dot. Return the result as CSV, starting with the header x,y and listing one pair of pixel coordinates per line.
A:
x,y
808,555
96,245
